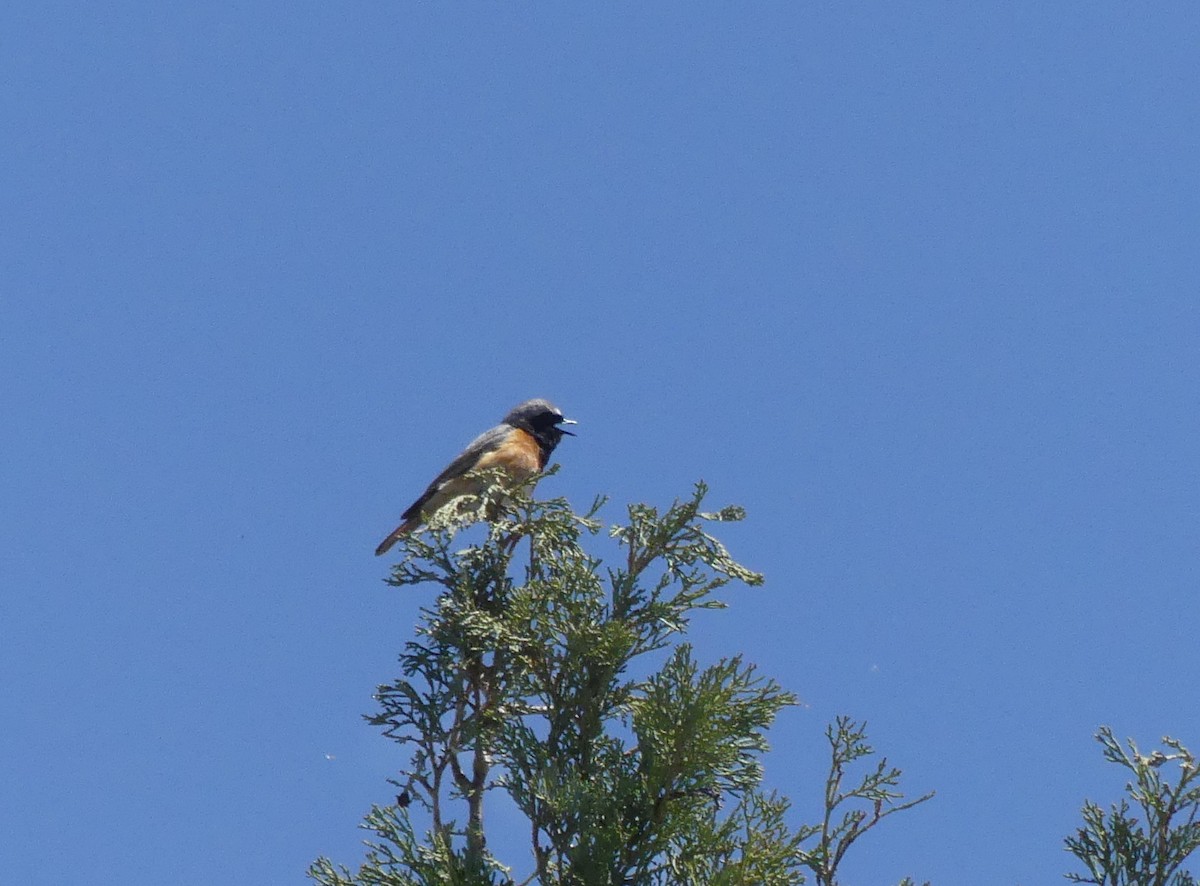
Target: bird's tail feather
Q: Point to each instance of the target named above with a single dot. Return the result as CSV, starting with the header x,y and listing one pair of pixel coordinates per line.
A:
x,y
403,529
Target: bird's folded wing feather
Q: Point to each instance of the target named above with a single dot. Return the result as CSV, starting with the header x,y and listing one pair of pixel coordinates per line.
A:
x,y
484,443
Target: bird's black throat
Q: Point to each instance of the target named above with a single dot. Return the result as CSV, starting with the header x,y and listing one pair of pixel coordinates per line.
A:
x,y
547,431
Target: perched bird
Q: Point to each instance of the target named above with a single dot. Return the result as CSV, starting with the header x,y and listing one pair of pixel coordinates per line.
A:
x,y
521,445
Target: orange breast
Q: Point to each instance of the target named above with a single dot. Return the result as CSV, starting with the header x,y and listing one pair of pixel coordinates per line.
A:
x,y
520,455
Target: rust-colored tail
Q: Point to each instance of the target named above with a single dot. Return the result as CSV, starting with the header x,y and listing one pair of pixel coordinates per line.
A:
x,y
403,529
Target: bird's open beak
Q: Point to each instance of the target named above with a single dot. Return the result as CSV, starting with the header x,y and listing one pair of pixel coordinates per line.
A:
x,y
567,421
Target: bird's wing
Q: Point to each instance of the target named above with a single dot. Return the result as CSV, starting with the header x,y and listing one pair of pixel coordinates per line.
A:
x,y
484,443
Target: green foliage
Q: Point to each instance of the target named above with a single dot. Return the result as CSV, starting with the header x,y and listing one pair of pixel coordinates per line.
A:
x,y
540,685
872,800
1120,849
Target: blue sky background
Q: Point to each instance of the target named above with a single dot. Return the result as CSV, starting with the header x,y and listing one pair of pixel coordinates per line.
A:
x,y
916,284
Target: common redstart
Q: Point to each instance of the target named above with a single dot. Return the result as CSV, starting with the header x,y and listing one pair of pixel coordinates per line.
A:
x,y
520,445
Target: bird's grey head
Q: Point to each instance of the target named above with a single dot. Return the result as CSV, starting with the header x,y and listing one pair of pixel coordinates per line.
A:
x,y
542,419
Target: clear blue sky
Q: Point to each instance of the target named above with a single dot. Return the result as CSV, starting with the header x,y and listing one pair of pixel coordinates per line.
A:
x,y
916,284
